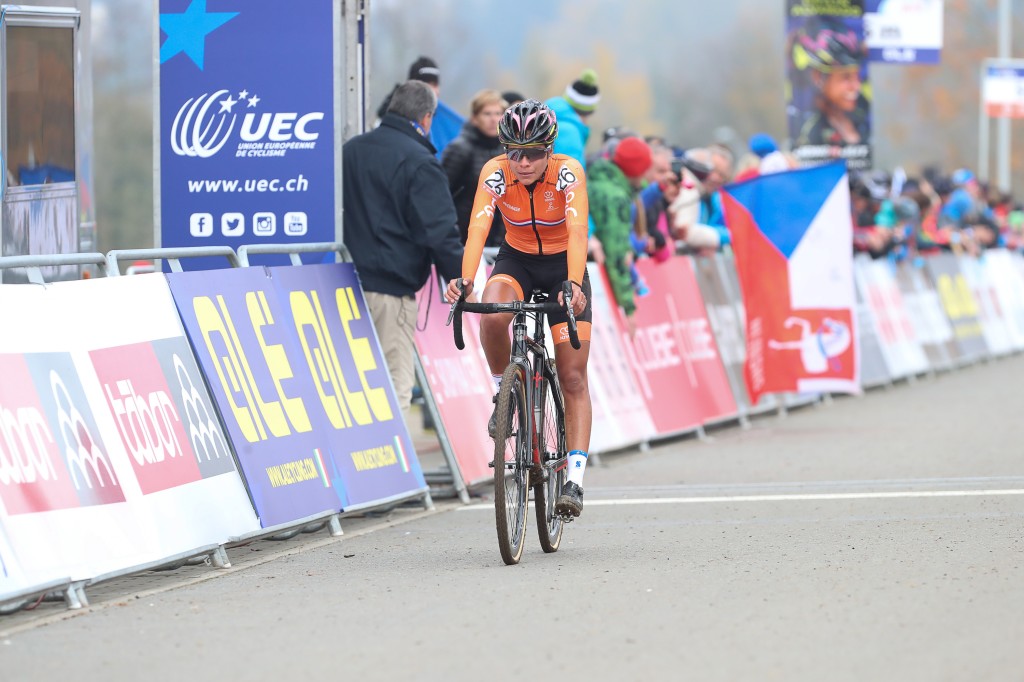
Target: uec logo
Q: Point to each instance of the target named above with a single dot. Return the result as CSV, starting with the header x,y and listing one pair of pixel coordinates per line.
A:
x,y
199,132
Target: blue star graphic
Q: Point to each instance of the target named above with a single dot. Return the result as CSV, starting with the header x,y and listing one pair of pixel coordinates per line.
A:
x,y
187,32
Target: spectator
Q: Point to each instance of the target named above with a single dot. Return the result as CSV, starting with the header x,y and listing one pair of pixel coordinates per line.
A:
x,y
572,109
764,157
466,155
701,224
665,179
611,188
967,211
446,122
399,219
513,97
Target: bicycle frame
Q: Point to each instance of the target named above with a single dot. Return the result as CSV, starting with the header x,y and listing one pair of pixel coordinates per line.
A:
x,y
523,347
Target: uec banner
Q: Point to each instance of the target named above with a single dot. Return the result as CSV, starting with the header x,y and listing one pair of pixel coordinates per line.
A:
x,y
295,368
246,123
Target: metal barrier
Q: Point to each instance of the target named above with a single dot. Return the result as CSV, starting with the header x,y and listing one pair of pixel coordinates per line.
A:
x,y
173,256
293,251
73,592
33,264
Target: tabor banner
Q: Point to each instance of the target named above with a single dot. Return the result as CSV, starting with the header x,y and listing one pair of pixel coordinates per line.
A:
x,y
828,102
246,124
620,415
114,456
795,265
13,580
959,305
673,353
903,31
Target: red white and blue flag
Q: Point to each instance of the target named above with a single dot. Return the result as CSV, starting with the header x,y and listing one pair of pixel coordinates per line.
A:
x,y
793,239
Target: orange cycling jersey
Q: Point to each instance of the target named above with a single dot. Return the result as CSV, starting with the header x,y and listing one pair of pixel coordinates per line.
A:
x,y
548,218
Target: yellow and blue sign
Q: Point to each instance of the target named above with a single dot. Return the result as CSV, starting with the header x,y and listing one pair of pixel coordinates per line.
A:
x,y
294,366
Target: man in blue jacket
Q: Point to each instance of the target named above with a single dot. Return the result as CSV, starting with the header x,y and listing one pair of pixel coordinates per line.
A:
x,y
399,219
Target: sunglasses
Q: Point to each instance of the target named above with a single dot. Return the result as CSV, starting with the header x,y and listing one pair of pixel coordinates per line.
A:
x,y
516,154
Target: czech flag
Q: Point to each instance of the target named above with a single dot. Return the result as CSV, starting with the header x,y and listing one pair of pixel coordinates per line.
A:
x,y
792,235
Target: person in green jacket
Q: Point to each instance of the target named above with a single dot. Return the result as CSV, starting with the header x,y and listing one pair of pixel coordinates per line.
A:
x,y
612,185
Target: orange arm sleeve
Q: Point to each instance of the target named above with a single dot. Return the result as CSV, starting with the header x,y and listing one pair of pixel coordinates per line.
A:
x,y
480,221
576,213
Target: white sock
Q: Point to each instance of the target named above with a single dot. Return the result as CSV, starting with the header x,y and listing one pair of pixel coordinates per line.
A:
x,y
577,466
496,378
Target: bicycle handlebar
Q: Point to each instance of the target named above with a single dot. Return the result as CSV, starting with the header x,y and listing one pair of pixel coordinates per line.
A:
x,y
547,307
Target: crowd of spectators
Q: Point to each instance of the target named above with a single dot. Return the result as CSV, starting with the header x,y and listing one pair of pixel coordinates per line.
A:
x,y
650,198
898,216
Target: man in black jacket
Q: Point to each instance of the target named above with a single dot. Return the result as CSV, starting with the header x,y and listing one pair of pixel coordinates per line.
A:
x,y
399,218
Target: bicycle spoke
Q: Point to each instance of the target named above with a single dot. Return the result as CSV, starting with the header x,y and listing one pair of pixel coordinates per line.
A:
x,y
511,479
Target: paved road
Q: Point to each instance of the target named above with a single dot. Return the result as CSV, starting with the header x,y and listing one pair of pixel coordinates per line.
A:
x,y
876,538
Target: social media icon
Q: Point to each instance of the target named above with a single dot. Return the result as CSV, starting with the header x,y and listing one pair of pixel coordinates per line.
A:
x,y
232,224
264,224
201,224
296,224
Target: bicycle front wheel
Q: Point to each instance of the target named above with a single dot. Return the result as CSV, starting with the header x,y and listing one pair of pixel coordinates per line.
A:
x,y
551,446
512,454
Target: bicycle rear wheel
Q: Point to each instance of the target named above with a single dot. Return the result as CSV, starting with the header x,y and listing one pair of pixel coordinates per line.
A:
x,y
512,455
551,442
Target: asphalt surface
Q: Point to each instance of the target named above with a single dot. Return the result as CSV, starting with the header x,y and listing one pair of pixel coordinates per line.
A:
x,y
873,538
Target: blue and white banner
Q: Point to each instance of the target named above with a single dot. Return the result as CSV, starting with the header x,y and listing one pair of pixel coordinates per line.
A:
x,y
246,123
903,31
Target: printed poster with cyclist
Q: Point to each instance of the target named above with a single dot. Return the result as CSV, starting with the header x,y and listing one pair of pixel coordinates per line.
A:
x,y
828,98
246,124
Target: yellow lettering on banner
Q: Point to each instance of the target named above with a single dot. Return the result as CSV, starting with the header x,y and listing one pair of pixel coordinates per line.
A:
x,y
229,368
318,360
291,473
280,369
956,297
375,458
362,354
355,399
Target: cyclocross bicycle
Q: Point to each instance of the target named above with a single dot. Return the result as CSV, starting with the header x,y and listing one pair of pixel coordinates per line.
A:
x,y
529,443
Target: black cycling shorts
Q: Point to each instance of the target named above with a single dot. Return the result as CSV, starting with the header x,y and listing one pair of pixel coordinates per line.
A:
x,y
525,272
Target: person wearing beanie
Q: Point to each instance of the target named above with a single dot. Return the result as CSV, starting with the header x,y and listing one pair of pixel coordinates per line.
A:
x,y
612,185
513,97
572,108
573,131
762,144
425,69
447,122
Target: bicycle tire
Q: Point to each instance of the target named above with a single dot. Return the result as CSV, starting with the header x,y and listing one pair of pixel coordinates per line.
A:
x,y
512,458
551,442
